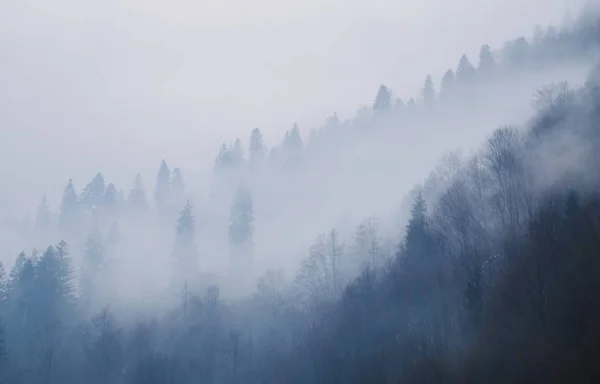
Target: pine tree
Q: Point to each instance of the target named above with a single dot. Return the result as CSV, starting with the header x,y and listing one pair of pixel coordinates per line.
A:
x,y
487,64
447,87
185,253
428,91
383,99
416,230
162,189
54,285
257,150
293,142
237,153
69,209
241,219
137,196
177,188
222,160
111,199
93,193
94,261
465,73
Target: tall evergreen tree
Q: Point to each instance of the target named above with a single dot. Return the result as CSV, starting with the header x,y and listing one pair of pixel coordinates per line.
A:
x,y
137,196
465,72
94,262
428,91
177,188
257,150
162,189
241,221
383,99
447,87
185,252
293,141
69,209
416,230
223,157
487,64
111,198
237,153
93,193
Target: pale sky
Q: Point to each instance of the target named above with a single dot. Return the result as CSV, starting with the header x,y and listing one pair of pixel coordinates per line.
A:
x,y
116,85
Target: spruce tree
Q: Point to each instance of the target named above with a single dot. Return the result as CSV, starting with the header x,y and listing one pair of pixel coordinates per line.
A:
x,y
257,150
465,72
447,86
185,253
383,99
69,210
428,91
93,193
94,262
177,188
111,198
162,189
241,221
487,64
137,196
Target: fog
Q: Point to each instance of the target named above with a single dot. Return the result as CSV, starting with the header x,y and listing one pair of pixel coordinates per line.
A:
x,y
143,80
203,181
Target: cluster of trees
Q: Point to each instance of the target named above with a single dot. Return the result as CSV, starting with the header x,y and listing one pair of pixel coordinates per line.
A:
x,y
494,279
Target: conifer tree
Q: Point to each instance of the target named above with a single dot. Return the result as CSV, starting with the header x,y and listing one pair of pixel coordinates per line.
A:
x,y
293,142
111,198
93,193
162,189
257,150
487,64
237,153
465,72
137,196
94,262
383,99
69,209
241,221
177,188
447,87
428,91
185,252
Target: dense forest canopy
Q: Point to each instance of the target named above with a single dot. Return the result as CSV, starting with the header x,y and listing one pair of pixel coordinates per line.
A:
x,y
308,262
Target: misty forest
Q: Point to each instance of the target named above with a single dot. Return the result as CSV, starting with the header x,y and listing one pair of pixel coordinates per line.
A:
x,y
483,271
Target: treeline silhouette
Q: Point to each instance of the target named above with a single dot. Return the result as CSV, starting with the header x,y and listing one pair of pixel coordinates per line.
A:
x,y
494,279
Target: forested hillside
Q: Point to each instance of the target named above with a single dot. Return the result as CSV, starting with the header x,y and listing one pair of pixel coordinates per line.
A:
x,y
491,278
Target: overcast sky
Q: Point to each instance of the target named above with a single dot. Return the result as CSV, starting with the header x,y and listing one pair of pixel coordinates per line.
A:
x,y
116,85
